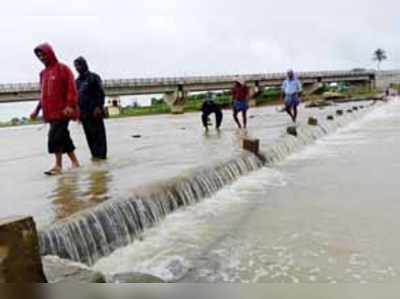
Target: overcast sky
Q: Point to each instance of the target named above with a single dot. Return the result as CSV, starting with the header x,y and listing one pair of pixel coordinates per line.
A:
x,y
152,38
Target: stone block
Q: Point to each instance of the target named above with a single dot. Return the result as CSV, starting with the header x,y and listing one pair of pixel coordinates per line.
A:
x,y
251,145
20,260
292,130
312,121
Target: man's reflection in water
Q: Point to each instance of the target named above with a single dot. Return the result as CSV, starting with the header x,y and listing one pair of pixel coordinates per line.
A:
x,y
77,191
98,186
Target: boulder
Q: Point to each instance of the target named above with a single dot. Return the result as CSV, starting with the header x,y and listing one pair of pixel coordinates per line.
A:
x,y
135,278
312,121
20,260
292,130
58,270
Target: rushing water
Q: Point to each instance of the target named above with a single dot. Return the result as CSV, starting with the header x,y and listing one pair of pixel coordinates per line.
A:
x,y
98,232
326,214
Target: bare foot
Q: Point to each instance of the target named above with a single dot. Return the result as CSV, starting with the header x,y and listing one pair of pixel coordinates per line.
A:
x,y
53,171
75,165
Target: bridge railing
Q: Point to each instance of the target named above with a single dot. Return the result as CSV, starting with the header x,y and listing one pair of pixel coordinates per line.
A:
x,y
168,81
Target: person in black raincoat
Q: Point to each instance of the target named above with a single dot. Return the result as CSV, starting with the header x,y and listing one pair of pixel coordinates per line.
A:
x,y
91,105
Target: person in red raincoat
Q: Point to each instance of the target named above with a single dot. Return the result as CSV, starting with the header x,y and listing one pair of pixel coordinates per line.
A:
x,y
59,104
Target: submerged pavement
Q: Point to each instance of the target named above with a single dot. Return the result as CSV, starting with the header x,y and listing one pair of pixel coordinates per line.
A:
x,y
167,146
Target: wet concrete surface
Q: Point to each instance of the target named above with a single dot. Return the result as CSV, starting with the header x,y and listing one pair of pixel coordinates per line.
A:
x,y
168,146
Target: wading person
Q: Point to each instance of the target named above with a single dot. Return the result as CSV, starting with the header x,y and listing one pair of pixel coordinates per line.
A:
x,y
240,97
291,92
59,103
209,107
91,104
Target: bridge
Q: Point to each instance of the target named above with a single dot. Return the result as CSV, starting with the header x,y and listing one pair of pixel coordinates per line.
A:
x,y
176,89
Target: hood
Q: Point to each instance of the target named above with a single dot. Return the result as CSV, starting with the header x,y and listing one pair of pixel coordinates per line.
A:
x,y
82,61
48,50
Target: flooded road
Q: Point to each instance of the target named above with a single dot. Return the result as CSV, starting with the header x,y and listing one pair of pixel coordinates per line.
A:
x,y
328,214
168,146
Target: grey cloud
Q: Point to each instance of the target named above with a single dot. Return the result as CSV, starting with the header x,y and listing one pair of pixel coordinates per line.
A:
x,y
168,38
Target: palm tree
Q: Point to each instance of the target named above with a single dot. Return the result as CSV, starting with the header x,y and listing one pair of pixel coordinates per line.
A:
x,y
379,56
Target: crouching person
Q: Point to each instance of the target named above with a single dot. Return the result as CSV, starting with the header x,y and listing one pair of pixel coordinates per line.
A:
x,y
209,107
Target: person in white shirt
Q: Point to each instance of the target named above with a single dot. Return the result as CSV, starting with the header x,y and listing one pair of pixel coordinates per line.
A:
x,y
291,92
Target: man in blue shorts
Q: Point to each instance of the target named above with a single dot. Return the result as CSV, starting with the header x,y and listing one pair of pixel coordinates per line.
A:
x,y
240,97
291,92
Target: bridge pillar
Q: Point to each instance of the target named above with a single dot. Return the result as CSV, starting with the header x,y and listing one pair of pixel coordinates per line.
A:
x,y
176,100
372,82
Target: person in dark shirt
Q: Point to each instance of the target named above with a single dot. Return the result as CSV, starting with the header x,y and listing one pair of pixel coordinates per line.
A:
x,y
209,107
91,104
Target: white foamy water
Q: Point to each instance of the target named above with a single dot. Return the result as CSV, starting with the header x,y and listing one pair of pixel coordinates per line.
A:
x,y
329,214
169,249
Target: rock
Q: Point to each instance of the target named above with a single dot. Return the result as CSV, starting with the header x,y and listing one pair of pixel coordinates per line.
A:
x,y
20,260
349,110
339,112
137,136
58,270
292,131
251,145
330,117
312,121
355,108
361,107
135,278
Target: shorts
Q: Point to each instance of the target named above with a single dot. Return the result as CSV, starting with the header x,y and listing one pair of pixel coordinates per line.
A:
x,y
292,100
59,139
240,106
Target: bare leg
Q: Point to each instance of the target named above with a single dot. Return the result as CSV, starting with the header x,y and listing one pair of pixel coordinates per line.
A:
x,y
294,113
289,111
244,115
56,170
58,165
235,117
74,160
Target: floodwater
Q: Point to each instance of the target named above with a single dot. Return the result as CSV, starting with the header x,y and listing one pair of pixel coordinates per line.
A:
x,y
168,146
327,214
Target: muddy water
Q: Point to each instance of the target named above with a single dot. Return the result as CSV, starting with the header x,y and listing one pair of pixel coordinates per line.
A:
x,y
168,146
328,214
